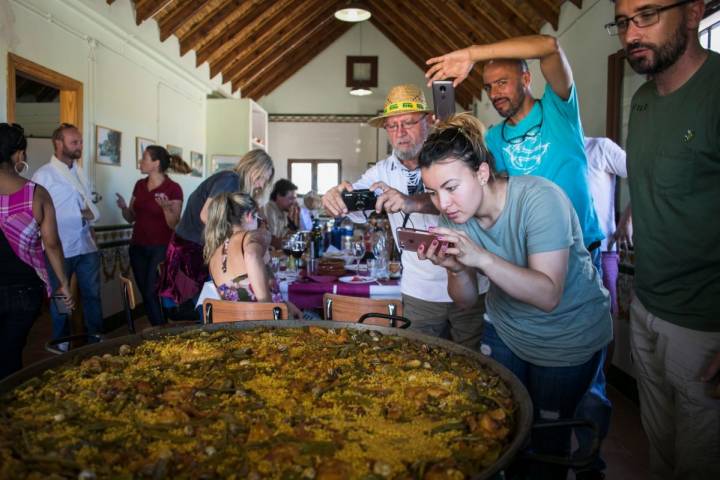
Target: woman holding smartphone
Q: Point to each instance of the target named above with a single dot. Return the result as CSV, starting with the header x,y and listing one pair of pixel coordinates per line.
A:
x,y
548,315
154,208
27,222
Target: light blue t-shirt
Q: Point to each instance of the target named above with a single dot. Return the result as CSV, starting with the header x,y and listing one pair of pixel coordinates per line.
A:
x,y
556,153
538,217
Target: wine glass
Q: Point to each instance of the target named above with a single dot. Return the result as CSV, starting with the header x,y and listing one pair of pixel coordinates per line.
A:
x,y
297,250
356,251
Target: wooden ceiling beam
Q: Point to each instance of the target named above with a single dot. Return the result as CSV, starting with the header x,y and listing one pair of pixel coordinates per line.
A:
x,y
446,33
204,28
547,10
148,8
238,31
302,17
505,11
409,47
577,3
265,64
413,32
293,60
477,32
179,15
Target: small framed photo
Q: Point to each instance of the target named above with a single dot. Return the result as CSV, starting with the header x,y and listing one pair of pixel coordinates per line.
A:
x,y
175,150
108,143
224,162
196,163
361,71
140,145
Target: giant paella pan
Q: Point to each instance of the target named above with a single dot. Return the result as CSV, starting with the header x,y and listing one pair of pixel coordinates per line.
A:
x,y
281,399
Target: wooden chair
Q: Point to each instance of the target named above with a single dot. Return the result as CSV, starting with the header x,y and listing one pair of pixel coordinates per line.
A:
x,y
344,308
222,311
128,301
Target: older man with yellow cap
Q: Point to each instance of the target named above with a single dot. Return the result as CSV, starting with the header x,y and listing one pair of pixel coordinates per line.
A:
x,y
406,119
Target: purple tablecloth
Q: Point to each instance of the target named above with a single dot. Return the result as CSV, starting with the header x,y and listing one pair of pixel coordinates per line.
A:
x,y
308,293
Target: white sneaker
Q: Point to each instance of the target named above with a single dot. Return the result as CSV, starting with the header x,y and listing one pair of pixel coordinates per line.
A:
x,y
64,346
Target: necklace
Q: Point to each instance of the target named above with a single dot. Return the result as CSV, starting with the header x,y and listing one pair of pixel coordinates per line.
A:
x,y
531,132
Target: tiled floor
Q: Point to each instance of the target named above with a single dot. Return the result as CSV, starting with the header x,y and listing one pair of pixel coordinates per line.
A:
x,y
624,450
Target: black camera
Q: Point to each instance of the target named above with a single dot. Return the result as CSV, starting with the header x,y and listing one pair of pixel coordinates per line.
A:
x,y
359,200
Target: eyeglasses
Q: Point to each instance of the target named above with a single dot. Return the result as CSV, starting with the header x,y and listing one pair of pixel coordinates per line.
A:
x,y
645,18
406,125
531,132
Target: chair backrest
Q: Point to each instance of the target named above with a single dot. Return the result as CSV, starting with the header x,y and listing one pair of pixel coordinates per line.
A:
x,y
343,308
128,301
222,311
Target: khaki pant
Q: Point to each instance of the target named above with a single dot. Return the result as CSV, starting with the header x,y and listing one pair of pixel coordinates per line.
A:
x,y
681,419
446,320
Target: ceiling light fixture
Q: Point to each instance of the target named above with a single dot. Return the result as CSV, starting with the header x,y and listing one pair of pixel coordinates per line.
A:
x,y
360,92
353,12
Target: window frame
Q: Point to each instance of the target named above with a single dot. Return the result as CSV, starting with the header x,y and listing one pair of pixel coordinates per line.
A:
x,y
313,170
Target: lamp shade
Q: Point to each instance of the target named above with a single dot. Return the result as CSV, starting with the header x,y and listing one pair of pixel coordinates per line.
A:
x,y
360,92
353,12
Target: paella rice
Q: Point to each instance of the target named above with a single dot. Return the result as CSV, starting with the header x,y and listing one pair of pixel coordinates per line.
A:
x,y
296,403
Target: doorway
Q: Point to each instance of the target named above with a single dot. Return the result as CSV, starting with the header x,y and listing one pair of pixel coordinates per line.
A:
x,y
28,79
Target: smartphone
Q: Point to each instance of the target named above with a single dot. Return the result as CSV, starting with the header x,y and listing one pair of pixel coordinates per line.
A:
x,y
60,304
410,239
359,200
443,99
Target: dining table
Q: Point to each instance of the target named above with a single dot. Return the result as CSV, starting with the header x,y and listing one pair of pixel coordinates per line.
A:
x,y
306,290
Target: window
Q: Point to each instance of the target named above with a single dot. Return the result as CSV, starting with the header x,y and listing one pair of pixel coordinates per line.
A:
x,y
710,31
317,175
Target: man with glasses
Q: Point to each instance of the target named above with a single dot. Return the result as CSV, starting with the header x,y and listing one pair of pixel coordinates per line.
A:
x,y
542,137
673,160
426,302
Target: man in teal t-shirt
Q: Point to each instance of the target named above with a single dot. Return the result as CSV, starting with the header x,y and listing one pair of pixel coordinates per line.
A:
x,y
673,160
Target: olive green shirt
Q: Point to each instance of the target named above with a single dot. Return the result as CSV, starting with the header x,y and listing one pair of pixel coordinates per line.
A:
x,y
673,160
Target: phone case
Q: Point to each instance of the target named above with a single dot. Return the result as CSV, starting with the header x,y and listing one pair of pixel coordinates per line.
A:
x,y
410,239
443,99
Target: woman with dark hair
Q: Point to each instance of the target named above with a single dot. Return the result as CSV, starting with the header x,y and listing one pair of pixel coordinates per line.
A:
x,y
548,316
154,208
27,216
185,270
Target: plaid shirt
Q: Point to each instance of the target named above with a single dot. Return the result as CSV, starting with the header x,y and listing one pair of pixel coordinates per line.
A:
x,y
22,230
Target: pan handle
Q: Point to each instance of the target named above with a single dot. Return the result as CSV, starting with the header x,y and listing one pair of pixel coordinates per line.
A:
x,y
52,345
393,319
571,460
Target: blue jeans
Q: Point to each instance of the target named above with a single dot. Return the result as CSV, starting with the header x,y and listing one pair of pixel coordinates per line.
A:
x,y
555,393
594,406
19,307
144,260
87,269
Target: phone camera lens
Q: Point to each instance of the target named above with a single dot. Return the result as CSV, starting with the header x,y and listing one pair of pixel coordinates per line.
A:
x,y
442,89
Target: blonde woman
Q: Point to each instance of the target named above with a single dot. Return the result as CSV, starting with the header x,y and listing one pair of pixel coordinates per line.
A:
x,y
185,271
235,258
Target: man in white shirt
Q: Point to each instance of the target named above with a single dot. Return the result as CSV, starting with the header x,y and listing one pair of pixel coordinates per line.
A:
x,y
68,186
426,302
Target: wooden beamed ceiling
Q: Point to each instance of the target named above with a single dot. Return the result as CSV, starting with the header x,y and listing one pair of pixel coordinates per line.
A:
x,y
258,44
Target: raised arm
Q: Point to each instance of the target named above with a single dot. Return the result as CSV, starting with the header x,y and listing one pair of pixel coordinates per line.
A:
x,y
553,62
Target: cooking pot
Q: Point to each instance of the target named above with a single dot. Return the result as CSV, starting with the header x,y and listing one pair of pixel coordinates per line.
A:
x,y
521,397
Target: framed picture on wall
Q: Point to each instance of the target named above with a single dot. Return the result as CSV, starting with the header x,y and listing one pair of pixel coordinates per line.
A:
x,y
196,163
175,150
140,145
107,146
223,162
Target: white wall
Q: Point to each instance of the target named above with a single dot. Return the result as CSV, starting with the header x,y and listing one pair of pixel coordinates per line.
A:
x,y
319,86
353,143
132,82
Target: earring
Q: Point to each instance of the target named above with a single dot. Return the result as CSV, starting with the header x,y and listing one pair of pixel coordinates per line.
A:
x,y
483,183
24,167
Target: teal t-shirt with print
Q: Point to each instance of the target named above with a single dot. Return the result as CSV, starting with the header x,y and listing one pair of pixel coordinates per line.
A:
x,y
557,153
537,218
